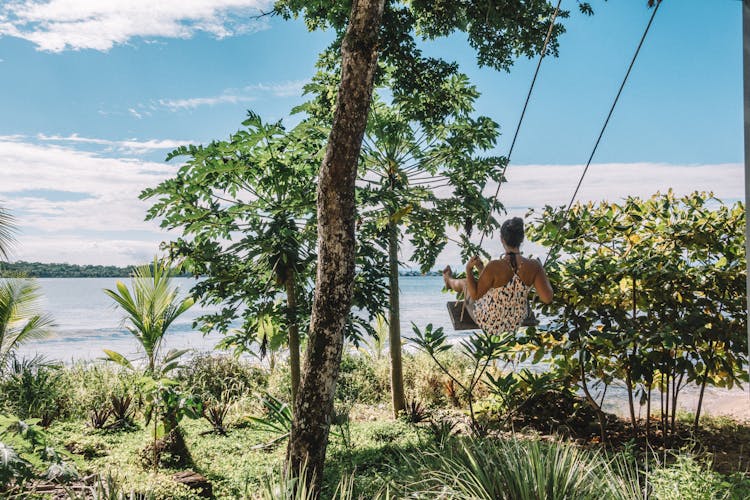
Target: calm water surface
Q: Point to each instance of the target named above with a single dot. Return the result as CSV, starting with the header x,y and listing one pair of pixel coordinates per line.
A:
x,y
88,321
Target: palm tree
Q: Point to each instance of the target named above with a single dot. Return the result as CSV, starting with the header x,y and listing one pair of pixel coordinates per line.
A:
x,y
20,317
151,307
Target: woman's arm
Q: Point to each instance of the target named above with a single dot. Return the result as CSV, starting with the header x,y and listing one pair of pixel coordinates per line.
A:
x,y
543,286
476,289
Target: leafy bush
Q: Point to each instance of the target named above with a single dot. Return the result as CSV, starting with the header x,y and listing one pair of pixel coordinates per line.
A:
x,y
34,389
425,382
649,293
689,478
25,453
357,380
101,393
220,382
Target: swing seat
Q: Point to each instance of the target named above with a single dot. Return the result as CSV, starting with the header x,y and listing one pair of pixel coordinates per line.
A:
x,y
530,319
455,308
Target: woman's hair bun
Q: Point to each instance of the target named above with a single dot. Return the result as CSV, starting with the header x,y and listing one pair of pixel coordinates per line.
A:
x,y
512,232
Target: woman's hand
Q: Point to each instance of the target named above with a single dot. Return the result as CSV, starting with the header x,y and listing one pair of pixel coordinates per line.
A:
x,y
475,261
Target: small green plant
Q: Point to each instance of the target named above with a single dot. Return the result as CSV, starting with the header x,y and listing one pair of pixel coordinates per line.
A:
x,y
166,406
278,418
32,388
415,412
25,453
481,349
442,429
123,413
98,417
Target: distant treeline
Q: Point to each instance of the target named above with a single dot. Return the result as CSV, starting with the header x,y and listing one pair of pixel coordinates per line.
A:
x,y
54,270
417,273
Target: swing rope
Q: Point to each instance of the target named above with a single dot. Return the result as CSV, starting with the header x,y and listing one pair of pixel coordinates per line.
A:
x,y
523,114
563,219
518,127
596,144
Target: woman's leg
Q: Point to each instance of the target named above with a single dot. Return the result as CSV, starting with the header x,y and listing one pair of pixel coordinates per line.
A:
x,y
451,283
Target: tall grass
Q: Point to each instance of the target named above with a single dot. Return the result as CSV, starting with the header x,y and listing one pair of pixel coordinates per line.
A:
x,y
520,470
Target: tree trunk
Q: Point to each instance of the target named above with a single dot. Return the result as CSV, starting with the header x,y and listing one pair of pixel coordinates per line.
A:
x,y
394,324
648,412
597,408
336,244
293,326
628,367
708,362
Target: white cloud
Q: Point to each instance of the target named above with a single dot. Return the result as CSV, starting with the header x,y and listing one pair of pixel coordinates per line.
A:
x,y
97,226
533,186
194,102
103,223
131,146
135,113
234,96
58,25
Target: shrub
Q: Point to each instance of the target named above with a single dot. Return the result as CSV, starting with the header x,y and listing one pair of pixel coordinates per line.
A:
x,y
101,393
26,453
424,381
220,382
688,478
357,380
280,382
34,389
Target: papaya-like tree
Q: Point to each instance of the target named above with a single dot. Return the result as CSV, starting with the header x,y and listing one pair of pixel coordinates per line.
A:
x,y
245,208
419,181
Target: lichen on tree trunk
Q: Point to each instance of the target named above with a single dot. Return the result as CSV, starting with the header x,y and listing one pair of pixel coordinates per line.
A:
x,y
336,243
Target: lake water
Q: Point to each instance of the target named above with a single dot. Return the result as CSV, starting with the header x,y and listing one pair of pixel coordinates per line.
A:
x,y
88,322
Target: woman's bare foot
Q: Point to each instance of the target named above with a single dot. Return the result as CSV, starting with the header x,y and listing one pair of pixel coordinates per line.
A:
x,y
451,283
447,275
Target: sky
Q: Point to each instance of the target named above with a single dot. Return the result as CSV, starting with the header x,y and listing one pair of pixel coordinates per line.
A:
x,y
95,93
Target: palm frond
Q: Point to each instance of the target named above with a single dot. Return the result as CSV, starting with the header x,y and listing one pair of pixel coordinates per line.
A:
x,y
21,318
7,232
151,305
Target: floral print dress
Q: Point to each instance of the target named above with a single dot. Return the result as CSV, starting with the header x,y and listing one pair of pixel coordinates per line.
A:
x,y
502,309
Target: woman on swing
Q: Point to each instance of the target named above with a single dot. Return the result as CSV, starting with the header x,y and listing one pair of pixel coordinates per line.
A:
x,y
497,301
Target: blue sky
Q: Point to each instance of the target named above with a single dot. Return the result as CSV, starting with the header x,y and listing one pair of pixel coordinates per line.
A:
x,y
95,93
